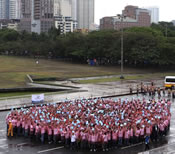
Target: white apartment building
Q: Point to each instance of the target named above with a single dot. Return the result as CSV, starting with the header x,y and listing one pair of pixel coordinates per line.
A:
x,y
65,24
63,15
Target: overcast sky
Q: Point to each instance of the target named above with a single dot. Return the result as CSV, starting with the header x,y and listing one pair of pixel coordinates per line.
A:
x,y
113,7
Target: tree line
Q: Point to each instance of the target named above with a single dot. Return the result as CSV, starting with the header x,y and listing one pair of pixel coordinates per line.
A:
x,y
143,46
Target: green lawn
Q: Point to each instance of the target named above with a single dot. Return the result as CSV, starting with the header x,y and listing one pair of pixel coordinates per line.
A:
x,y
18,94
132,77
13,70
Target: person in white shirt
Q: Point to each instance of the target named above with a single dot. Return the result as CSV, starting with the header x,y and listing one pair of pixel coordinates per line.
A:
x,y
73,141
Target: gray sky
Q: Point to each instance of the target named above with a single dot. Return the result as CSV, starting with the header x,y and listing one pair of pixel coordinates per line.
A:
x,y
113,7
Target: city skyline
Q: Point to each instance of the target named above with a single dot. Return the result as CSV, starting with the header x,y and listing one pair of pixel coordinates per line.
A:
x,y
112,7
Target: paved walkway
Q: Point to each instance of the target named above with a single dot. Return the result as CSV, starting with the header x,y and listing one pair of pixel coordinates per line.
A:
x,y
86,91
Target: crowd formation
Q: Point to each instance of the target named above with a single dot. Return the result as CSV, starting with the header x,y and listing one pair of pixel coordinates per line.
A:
x,y
152,90
92,123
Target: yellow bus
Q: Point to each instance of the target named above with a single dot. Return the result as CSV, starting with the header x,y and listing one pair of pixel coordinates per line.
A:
x,y
169,81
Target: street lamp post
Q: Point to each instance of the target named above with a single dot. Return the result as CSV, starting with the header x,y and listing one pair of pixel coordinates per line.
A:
x,y
121,17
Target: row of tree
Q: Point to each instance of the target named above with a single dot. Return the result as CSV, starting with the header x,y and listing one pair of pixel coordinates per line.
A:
x,y
153,45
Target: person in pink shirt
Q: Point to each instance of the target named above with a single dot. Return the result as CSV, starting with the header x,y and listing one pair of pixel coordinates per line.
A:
x,y
131,134
105,142
109,133
43,131
18,127
148,129
137,134
161,129
37,132
114,138
26,129
142,133
77,134
49,133
83,139
67,137
31,130
120,136
126,136
63,132
93,142
55,134
89,139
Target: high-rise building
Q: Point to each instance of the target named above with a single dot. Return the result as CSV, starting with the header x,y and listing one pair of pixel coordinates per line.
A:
x,y
74,9
3,9
37,15
154,11
10,9
14,9
173,21
134,17
85,13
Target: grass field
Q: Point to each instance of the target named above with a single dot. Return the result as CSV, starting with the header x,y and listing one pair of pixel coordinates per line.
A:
x,y
10,94
13,70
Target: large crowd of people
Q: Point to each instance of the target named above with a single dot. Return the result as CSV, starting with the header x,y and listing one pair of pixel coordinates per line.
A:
x,y
152,90
92,123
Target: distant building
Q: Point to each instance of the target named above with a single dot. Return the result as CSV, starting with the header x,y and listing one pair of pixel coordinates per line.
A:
x,y
134,17
10,24
14,9
37,15
65,24
62,7
3,9
85,13
10,9
74,9
63,16
154,11
173,21
94,27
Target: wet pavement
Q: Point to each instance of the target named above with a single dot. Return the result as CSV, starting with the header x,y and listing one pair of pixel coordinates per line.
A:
x,y
23,145
86,91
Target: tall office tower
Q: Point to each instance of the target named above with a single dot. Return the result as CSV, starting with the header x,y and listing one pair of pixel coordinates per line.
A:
x,y
173,21
154,11
37,15
74,9
3,9
85,13
14,9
